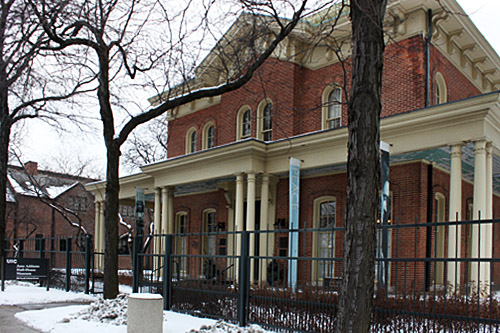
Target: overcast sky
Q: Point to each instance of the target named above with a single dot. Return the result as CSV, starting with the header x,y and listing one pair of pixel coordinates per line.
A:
x,y
41,144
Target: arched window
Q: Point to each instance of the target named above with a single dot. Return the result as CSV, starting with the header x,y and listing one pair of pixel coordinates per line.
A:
x,y
191,138
244,123
332,107
324,240
180,243
265,123
441,93
208,135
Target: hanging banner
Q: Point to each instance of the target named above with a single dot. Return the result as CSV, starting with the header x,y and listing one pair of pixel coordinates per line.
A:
x,y
293,237
383,271
139,210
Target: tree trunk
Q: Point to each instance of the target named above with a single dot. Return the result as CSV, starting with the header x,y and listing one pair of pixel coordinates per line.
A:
x,y
5,128
363,166
111,224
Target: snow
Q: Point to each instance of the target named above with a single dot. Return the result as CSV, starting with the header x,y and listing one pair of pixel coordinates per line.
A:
x,y
55,191
100,316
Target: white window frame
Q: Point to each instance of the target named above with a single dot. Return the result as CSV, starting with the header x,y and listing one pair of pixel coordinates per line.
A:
x,y
440,90
189,141
260,119
240,135
317,266
328,105
206,135
180,242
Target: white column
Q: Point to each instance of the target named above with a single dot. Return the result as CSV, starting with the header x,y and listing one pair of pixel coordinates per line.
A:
x,y
102,233
98,235
487,229
238,212
479,210
239,205
251,218
264,224
455,210
170,210
157,226
164,208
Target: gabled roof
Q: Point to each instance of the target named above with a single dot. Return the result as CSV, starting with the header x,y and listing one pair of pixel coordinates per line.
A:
x,y
44,184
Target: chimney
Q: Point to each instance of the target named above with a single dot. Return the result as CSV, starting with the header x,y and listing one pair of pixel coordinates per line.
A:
x,y
31,168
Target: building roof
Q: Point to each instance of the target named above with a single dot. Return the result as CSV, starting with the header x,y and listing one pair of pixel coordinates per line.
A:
x,y
46,184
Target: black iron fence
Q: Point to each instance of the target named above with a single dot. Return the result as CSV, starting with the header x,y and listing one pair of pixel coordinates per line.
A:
x,y
428,276
70,259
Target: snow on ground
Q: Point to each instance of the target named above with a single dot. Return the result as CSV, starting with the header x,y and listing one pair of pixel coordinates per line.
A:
x,y
101,315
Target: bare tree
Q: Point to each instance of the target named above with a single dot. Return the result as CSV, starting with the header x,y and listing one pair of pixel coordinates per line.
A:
x,y
146,145
363,166
27,85
112,32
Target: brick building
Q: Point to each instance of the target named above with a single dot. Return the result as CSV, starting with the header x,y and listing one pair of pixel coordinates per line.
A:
x,y
440,117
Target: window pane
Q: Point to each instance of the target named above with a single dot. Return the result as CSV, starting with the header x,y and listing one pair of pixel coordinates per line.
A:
x,y
247,124
193,142
210,137
334,109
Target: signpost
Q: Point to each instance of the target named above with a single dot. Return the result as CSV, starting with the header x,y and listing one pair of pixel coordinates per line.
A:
x,y
25,269
293,241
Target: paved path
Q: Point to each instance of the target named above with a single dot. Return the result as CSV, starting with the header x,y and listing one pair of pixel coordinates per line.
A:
x,y
9,323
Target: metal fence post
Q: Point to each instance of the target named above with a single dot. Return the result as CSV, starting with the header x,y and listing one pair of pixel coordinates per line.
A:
x,y
167,273
135,269
68,264
244,280
88,255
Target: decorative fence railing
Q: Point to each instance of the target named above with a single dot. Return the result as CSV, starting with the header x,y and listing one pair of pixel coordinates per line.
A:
x,y
428,276
421,285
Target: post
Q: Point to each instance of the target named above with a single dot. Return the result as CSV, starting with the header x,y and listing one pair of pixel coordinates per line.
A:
x,y
21,248
244,280
68,264
167,273
135,269
88,256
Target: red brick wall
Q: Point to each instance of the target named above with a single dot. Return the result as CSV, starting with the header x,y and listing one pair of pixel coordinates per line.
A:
x,y
296,94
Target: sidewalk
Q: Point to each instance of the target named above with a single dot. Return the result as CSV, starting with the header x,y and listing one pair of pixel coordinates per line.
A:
x,y
9,323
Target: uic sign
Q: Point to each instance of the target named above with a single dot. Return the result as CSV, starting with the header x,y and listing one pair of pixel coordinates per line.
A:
x,y
26,268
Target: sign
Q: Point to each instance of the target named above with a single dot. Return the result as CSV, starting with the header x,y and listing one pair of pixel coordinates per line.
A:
x,y
26,268
139,210
383,270
293,240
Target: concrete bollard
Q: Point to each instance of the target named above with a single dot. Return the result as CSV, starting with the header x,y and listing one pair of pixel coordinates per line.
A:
x,y
145,313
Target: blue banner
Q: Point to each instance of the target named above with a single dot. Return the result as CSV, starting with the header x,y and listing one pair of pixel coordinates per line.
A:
x,y
293,240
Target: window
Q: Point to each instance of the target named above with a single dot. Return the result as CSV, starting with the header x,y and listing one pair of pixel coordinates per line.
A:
x,y
79,204
324,239
127,211
332,107
244,123
62,244
39,242
180,243
265,120
191,138
208,136
441,94
209,225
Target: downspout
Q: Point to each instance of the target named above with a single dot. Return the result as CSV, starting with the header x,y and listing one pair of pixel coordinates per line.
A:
x,y
427,58
428,240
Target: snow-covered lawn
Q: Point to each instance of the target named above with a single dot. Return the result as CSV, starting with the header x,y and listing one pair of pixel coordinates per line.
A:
x,y
100,316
